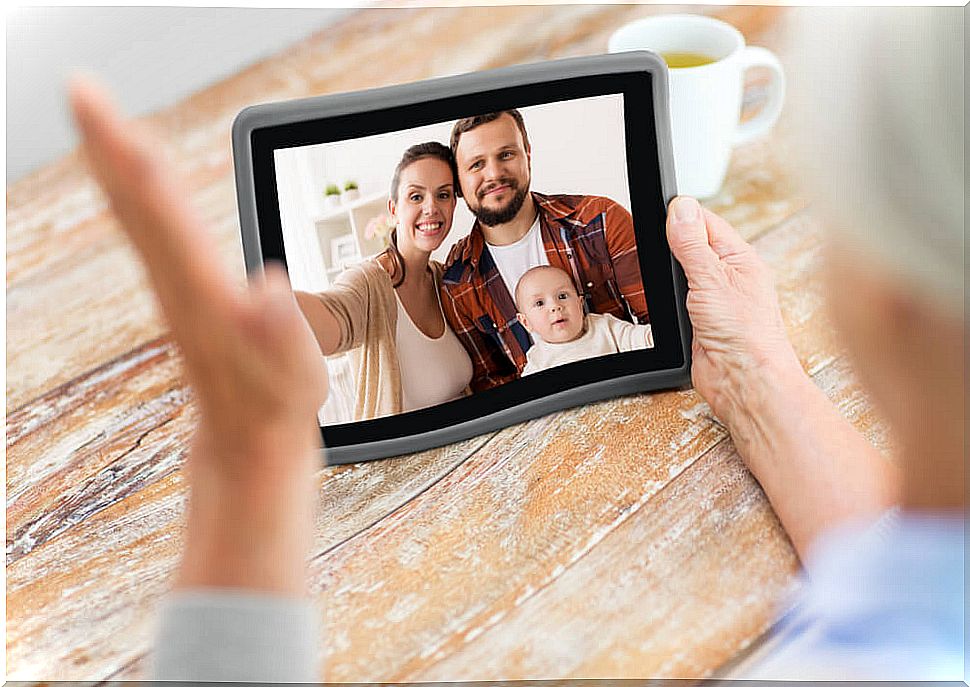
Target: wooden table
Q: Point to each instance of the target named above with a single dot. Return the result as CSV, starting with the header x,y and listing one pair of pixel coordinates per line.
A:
x,y
622,539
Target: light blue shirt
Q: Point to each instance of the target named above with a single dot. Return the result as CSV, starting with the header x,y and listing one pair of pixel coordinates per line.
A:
x,y
882,601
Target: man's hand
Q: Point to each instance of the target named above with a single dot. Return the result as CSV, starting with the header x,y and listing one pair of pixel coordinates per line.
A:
x,y
739,334
255,367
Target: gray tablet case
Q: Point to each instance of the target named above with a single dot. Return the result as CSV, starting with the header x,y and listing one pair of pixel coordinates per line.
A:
x,y
275,114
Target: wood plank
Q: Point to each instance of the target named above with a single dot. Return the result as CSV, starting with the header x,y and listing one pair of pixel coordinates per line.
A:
x,y
78,605
82,603
709,537
530,502
82,308
794,253
83,446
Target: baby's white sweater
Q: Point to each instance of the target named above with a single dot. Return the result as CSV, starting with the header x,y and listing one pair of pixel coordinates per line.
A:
x,y
605,334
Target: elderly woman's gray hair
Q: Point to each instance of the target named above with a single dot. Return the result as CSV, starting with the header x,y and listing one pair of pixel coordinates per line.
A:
x,y
878,102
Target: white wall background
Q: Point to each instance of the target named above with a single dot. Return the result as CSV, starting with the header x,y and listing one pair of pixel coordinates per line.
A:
x,y
578,146
151,56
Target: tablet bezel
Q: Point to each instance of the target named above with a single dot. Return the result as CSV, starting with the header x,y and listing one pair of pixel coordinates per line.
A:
x,y
259,130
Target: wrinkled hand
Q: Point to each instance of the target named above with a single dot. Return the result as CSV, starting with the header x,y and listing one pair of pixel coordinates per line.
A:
x,y
739,336
254,365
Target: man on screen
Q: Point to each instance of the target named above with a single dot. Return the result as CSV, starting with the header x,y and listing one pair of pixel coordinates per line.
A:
x,y
588,237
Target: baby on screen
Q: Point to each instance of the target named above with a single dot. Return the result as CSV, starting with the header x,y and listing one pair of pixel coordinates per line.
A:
x,y
549,306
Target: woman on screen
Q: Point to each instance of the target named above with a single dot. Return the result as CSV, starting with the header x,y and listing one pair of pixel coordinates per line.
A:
x,y
386,311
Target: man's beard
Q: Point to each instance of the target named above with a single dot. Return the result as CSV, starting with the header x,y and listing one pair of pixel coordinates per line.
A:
x,y
491,218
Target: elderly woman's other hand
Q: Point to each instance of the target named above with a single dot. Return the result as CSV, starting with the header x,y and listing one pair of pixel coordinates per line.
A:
x,y
816,469
250,357
739,335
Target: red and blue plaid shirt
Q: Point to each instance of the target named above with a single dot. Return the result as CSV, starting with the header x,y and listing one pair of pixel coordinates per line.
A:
x,y
589,237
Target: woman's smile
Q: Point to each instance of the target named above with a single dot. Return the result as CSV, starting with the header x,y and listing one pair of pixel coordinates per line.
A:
x,y
429,227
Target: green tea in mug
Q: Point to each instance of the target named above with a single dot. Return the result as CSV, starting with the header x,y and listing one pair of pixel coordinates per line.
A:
x,y
680,60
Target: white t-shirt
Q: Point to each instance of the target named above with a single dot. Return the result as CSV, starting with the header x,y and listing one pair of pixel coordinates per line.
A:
x,y
433,371
605,334
517,258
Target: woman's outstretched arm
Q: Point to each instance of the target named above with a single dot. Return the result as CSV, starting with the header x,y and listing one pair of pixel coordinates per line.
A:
x,y
323,324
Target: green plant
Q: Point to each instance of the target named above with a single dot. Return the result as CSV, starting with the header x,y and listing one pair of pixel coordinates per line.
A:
x,y
332,190
350,185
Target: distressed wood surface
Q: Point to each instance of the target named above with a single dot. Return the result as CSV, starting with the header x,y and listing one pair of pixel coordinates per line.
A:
x,y
621,539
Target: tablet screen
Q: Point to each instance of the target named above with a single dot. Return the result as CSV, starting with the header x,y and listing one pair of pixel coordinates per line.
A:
x,y
513,308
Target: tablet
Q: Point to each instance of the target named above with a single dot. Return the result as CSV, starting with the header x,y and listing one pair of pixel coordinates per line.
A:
x,y
540,192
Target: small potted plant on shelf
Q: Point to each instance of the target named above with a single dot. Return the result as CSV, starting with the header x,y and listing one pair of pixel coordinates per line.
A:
x,y
350,191
331,196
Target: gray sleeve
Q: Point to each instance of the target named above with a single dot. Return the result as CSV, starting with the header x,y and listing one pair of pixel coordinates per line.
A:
x,y
233,635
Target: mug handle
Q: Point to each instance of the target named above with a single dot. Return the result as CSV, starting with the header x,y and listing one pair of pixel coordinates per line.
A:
x,y
764,120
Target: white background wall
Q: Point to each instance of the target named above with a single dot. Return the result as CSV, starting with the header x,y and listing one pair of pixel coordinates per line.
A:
x,y
151,56
578,146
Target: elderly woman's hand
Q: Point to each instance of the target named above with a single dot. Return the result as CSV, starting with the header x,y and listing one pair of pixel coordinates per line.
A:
x,y
250,357
739,335
815,468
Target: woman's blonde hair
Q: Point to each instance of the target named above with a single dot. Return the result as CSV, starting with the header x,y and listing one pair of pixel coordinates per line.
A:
x,y
878,102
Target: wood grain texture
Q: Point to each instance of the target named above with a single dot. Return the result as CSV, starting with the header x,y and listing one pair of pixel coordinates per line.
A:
x,y
83,602
623,609
622,539
93,441
698,560
503,524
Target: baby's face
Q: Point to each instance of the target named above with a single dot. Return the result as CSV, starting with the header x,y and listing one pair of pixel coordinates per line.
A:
x,y
549,306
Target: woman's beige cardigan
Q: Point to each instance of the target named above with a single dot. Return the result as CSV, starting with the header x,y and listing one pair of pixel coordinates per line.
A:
x,y
363,302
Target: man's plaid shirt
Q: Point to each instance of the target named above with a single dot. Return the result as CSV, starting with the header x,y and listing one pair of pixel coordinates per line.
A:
x,y
589,237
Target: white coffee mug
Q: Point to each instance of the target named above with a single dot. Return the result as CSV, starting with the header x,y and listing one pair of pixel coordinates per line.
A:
x,y
705,101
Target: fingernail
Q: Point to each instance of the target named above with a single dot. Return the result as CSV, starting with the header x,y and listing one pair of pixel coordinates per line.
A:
x,y
686,209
